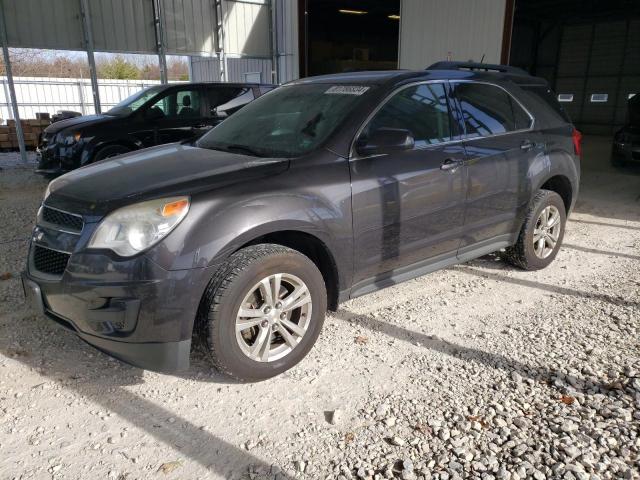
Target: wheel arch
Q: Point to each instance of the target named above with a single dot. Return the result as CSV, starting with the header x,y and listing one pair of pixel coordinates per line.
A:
x,y
561,185
314,248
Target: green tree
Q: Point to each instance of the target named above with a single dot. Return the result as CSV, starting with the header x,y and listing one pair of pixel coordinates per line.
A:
x,y
118,68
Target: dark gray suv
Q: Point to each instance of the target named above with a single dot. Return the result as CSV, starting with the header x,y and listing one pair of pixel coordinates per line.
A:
x,y
317,192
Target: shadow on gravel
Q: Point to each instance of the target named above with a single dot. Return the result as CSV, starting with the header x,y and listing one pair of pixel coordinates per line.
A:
x,y
106,387
600,252
493,360
550,288
604,224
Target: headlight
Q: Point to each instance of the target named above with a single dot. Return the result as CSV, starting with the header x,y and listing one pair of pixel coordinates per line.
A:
x,y
70,138
130,230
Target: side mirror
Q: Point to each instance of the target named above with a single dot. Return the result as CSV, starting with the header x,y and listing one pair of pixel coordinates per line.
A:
x,y
153,113
385,140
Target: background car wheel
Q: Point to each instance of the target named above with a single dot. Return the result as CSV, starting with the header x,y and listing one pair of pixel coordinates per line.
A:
x,y
262,312
110,151
541,234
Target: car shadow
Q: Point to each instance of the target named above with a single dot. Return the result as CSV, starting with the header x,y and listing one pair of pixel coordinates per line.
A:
x,y
107,387
493,360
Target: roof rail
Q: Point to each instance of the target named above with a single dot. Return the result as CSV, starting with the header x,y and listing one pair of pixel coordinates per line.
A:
x,y
487,67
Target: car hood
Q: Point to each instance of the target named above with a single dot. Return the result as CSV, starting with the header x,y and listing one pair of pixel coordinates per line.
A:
x,y
77,122
171,169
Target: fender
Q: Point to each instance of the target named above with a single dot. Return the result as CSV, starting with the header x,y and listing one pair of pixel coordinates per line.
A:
x,y
545,166
92,148
222,220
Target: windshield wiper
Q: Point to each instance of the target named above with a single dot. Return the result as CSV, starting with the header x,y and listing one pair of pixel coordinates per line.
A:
x,y
242,148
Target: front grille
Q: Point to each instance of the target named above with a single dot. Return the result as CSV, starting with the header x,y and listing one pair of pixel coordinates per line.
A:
x,y
62,219
49,261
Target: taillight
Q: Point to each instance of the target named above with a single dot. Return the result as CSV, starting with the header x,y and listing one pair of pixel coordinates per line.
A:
x,y
576,136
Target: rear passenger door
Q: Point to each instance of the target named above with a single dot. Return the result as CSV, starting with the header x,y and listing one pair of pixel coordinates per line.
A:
x,y
499,145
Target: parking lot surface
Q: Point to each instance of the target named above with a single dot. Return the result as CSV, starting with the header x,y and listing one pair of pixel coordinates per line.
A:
x,y
476,371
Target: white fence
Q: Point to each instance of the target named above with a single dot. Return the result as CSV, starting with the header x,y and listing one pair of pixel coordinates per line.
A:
x,y
43,94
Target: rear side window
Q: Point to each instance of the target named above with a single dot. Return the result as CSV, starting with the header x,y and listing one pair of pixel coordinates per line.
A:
x,y
489,110
548,99
421,109
223,101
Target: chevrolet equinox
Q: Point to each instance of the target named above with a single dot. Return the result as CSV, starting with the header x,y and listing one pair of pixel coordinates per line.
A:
x,y
317,192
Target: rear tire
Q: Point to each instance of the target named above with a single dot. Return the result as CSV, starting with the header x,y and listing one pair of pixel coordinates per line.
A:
x,y
110,151
279,330
538,242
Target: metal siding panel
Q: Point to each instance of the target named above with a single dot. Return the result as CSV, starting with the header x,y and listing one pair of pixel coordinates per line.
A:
x,y
60,28
433,29
189,27
287,35
246,28
123,26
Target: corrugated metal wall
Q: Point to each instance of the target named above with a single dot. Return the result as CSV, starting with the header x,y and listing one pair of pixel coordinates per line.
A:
x,y
58,28
286,20
189,26
133,32
430,30
125,26
206,69
247,27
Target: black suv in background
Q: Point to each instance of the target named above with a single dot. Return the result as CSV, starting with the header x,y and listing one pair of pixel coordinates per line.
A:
x,y
153,116
317,192
626,141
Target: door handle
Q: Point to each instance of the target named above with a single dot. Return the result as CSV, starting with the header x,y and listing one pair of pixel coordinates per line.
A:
x,y
450,164
527,145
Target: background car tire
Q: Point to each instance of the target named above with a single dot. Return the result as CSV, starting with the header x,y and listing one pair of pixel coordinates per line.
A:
x,y
110,151
225,294
523,254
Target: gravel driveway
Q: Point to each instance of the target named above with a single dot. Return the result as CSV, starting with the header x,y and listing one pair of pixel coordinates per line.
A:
x,y
477,371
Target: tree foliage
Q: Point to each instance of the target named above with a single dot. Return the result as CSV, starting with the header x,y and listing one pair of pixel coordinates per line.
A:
x,y
40,63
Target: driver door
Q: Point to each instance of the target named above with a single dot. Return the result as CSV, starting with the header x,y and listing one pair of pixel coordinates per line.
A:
x,y
408,206
177,115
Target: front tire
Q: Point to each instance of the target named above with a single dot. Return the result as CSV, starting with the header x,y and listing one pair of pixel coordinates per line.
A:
x,y
262,312
110,151
542,233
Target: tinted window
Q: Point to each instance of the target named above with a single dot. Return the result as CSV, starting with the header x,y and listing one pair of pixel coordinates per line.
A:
x,y
421,109
223,101
522,118
548,99
487,109
179,104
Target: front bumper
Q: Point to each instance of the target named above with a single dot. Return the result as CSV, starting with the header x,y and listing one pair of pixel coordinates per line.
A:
x,y
626,152
146,322
54,160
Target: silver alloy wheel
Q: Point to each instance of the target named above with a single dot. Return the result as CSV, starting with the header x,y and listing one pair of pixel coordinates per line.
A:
x,y
546,232
273,317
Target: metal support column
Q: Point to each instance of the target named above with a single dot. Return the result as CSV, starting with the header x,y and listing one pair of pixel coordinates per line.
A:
x,y
222,57
273,37
12,90
159,30
88,46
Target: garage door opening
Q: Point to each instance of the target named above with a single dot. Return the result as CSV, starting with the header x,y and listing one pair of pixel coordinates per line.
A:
x,y
348,35
589,51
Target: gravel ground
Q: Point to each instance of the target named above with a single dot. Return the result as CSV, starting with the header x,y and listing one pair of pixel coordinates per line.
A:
x,y
477,371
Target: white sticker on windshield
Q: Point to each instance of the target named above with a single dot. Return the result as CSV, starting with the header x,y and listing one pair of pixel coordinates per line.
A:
x,y
347,90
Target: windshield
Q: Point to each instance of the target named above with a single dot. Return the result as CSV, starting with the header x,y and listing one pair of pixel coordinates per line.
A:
x,y
288,122
135,101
